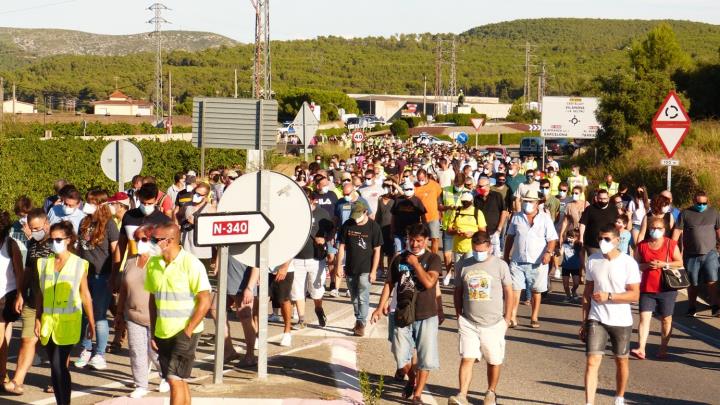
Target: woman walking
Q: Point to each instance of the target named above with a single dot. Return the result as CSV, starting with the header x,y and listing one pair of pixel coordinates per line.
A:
x,y
134,313
11,270
653,255
63,290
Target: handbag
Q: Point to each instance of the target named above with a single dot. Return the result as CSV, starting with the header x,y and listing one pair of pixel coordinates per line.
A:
x,y
674,279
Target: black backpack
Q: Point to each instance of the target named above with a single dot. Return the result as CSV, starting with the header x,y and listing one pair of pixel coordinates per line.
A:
x,y
407,292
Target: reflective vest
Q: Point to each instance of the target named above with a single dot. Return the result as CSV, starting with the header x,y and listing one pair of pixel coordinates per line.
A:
x,y
170,285
612,188
62,306
468,219
450,198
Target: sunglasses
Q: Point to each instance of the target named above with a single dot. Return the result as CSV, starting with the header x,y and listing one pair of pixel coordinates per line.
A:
x,y
157,240
346,181
606,239
58,240
144,240
563,191
657,229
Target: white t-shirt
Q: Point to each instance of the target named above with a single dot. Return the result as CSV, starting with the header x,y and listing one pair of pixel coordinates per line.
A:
x,y
638,211
7,280
611,276
446,177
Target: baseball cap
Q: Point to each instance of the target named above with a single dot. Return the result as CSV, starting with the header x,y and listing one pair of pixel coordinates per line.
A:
x,y
120,197
191,173
466,196
358,209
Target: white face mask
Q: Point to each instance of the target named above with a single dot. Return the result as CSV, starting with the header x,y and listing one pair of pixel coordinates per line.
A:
x,y
386,190
325,189
576,197
368,182
143,247
480,256
409,193
89,208
38,235
189,188
563,194
422,182
112,208
197,198
656,234
69,210
528,207
147,209
606,247
58,247
666,209
420,253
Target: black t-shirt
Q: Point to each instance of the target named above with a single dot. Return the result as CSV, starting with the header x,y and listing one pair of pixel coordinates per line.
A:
x,y
407,211
36,250
326,201
401,272
594,219
492,208
322,226
383,216
360,242
135,217
99,256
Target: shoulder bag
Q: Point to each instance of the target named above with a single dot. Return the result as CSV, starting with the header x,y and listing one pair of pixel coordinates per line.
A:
x,y
674,279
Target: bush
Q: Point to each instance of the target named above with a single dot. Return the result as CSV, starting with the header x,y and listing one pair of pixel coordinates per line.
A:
x,y
462,120
30,166
332,131
94,128
413,121
399,128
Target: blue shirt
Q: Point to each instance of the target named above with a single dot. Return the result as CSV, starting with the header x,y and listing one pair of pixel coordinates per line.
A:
x,y
344,208
625,237
57,214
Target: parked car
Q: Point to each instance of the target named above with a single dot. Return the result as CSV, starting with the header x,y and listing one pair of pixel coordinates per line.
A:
x,y
499,151
531,146
286,129
426,139
560,146
353,123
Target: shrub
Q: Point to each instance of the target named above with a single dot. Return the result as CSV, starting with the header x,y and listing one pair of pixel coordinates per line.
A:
x,y
462,120
399,128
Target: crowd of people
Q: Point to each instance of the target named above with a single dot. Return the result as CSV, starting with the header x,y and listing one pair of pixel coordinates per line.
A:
x,y
493,228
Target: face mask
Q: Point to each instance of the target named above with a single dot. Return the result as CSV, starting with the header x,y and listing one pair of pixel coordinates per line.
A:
x,y
512,172
563,194
530,179
602,205
68,210
482,192
576,197
420,253
500,182
368,182
606,247
700,207
58,247
466,204
189,188
386,190
112,208
155,249
537,178
197,198
551,174
325,189
480,256
656,234
147,209
528,207
89,209
422,182
143,247
666,209
318,161
545,191
409,193
347,198
457,188
38,235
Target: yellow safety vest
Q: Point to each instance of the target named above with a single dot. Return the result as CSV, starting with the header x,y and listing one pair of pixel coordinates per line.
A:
x,y
612,188
62,306
554,184
450,198
174,301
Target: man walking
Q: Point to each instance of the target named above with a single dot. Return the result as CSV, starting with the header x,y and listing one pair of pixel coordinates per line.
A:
x,y
612,284
179,299
483,302
492,205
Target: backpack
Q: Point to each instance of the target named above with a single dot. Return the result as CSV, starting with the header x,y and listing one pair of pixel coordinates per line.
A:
x,y
407,294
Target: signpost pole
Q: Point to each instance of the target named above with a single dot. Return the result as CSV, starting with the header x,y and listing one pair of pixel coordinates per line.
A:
x,y
263,205
221,314
305,145
542,162
669,178
120,171
201,134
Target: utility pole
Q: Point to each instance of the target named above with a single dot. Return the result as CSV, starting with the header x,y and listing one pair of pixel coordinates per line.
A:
x,y
13,100
170,102
158,21
438,75
425,95
526,88
236,95
452,94
262,88
541,86
2,103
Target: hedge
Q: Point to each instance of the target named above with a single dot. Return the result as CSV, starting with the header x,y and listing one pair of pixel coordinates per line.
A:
x,y
30,166
461,120
94,128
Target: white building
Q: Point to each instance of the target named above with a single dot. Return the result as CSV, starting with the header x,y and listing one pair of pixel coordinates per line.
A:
x,y
120,104
17,107
391,106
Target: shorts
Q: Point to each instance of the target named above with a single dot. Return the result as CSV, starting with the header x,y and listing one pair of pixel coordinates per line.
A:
x,y
331,248
598,334
482,342
570,272
280,290
434,228
662,303
529,276
447,242
309,276
421,336
702,268
7,307
28,322
177,355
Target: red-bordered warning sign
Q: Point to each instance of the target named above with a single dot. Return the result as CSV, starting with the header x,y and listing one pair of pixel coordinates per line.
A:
x,y
671,124
358,136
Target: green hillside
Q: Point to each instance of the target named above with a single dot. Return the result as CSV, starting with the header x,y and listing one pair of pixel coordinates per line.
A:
x,y
490,62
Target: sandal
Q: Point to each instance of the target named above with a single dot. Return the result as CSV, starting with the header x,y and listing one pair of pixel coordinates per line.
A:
x,y
17,389
534,324
636,353
513,325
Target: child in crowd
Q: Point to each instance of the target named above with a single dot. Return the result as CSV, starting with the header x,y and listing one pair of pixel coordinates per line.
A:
x,y
625,236
570,252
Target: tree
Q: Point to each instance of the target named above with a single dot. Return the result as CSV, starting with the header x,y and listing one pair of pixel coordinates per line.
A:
x,y
659,51
399,127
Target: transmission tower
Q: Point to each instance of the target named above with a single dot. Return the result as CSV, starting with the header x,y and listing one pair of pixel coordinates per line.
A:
x,y
452,91
262,73
158,21
527,89
542,85
438,75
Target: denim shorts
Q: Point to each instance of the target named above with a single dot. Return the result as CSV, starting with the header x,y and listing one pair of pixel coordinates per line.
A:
x,y
447,242
421,335
702,267
662,303
434,228
598,335
529,276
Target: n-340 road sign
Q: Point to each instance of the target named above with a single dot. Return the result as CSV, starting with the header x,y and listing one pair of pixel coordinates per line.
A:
x,y
231,228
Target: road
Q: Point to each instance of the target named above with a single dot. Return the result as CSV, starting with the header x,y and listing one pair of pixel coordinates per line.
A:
x,y
543,366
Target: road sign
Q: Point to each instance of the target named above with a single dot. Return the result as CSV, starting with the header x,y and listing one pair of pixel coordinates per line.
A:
x,y
670,162
306,124
231,228
120,161
461,138
288,211
534,127
671,124
234,123
569,117
358,136
477,122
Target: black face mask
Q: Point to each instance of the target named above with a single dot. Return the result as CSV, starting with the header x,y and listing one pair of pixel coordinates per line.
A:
x,y
601,205
466,204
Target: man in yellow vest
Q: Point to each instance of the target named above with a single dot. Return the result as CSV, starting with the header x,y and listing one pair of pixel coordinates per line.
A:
x,y
578,180
467,219
450,201
609,185
179,299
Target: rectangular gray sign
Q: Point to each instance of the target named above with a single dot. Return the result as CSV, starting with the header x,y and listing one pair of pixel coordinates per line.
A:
x,y
234,123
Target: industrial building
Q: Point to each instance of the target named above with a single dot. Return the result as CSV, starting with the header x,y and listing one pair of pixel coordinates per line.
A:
x,y
391,106
17,107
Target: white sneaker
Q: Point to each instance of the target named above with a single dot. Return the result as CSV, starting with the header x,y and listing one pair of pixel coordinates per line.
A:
x,y
164,386
83,360
139,393
334,293
619,401
256,342
446,280
347,293
557,275
286,340
98,362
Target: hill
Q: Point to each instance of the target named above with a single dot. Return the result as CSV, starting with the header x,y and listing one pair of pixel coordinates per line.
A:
x,y
490,61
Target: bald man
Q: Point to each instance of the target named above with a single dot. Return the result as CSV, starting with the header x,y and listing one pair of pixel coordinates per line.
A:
x,y
179,299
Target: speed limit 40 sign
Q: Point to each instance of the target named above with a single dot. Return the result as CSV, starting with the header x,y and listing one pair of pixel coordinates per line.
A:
x,y
358,136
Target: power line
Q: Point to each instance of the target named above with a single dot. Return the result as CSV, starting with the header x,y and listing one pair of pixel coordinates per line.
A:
x,y
40,6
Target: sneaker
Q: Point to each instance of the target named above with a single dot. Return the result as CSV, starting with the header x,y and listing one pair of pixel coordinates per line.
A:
x,y
619,401
274,318
446,282
286,340
691,312
347,293
83,360
256,341
715,310
299,326
98,362
458,400
334,293
322,319
163,386
139,393
489,398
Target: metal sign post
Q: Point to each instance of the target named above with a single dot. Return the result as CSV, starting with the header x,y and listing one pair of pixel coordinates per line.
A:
x,y
120,167
221,314
671,124
120,161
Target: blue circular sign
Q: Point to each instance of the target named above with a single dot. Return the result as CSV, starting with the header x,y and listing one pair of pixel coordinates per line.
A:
x,y
461,138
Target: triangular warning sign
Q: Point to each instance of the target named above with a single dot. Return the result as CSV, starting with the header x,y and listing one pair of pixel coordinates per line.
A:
x,y
671,110
670,138
477,122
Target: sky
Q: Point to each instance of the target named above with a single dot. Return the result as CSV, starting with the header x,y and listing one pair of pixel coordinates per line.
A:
x,y
292,19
